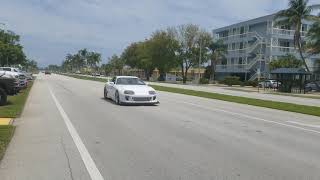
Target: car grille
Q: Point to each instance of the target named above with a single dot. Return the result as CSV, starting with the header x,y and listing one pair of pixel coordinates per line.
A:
x,y
142,98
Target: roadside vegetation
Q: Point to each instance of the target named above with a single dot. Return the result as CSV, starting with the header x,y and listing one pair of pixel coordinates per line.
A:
x,y
6,133
15,104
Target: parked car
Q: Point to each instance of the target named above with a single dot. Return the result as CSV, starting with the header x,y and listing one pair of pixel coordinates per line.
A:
x,y
17,74
269,84
312,86
47,73
7,87
130,90
96,74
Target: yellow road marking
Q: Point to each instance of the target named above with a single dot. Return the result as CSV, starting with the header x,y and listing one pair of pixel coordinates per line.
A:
x,y
5,121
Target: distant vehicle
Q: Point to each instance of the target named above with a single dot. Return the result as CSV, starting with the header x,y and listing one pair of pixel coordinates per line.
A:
x,y
269,84
47,73
312,86
78,72
130,90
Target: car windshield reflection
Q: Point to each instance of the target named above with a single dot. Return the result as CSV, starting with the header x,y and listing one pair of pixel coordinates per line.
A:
x,y
129,81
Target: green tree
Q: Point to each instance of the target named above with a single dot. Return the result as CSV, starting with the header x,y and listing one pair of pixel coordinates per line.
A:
x,y
217,52
116,63
138,55
191,39
93,59
297,11
11,52
130,55
162,51
288,61
313,36
106,68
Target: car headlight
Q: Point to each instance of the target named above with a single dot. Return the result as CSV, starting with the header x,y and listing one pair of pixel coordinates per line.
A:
x,y
129,92
152,92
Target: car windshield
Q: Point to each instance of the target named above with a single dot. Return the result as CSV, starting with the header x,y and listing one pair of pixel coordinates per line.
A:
x,y
129,81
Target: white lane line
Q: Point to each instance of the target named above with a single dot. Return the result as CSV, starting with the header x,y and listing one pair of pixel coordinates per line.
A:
x,y
85,156
303,124
248,116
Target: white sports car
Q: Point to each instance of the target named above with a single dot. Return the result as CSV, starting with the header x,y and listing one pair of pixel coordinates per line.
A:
x,y
130,90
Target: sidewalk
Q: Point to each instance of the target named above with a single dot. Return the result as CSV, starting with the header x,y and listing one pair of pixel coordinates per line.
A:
x,y
245,93
41,147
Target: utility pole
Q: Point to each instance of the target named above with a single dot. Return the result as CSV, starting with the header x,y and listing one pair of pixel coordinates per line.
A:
x,y
199,61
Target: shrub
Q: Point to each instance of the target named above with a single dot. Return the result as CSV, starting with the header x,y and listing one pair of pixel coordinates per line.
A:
x,y
204,81
231,80
250,83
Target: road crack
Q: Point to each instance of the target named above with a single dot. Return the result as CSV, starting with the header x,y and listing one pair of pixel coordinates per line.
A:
x,y
67,157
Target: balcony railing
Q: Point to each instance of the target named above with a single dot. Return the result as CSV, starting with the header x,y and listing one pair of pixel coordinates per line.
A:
x,y
286,32
239,36
287,50
232,68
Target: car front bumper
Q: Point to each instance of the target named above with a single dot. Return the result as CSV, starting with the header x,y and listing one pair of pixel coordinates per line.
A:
x,y
139,99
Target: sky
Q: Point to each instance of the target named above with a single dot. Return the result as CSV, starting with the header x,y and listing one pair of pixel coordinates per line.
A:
x,y
50,29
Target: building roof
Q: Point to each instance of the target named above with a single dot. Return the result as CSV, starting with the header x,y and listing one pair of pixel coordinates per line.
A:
x,y
251,21
289,71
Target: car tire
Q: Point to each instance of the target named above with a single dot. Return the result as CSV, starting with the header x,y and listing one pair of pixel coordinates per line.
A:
x,y
105,93
117,98
3,97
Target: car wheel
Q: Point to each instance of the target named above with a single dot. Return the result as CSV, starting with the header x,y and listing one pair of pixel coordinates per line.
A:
x,y
105,93
117,97
3,97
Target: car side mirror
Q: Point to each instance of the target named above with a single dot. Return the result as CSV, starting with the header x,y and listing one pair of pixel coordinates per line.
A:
x,y
111,83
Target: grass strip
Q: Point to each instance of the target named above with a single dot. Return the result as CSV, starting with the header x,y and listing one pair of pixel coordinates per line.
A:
x,y
15,104
6,133
310,110
303,109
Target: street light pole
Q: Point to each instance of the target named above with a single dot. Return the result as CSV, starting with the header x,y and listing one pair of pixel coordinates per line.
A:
x,y
199,61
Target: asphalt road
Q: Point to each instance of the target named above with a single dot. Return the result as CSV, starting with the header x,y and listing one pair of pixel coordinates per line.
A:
x,y
68,131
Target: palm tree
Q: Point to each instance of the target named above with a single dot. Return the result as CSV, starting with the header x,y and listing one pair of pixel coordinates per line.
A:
x,y
298,10
93,59
218,51
314,38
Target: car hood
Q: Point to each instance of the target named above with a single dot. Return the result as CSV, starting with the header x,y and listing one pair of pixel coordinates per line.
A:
x,y
138,89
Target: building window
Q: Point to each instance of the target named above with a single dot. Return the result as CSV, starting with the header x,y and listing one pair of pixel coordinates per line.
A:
x,y
232,60
242,30
304,27
284,43
240,60
241,45
234,31
286,27
233,46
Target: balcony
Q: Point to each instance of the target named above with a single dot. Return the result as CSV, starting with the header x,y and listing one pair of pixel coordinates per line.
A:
x,y
279,50
240,36
285,32
233,68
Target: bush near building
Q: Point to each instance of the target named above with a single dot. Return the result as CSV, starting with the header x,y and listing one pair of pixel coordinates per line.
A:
x,y
231,80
